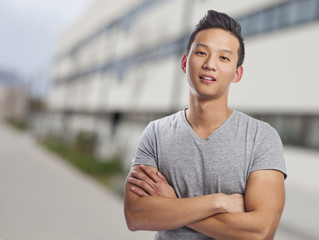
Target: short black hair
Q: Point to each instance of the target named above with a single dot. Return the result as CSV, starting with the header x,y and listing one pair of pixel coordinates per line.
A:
x,y
214,19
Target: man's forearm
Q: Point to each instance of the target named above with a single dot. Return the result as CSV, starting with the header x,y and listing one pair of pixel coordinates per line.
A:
x,y
247,225
151,205
264,202
162,213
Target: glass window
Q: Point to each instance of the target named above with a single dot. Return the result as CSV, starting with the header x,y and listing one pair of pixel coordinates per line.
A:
x,y
253,24
312,139
268,19
302,11
290,128
313,9
127,23
243,23
285,13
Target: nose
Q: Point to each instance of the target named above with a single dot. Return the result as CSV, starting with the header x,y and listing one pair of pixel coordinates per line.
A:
x,y
210,64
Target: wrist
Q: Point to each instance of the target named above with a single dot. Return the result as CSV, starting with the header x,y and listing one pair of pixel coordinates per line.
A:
x,y
218,203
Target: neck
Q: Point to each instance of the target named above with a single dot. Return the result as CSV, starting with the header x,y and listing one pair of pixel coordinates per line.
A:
x,y
205,116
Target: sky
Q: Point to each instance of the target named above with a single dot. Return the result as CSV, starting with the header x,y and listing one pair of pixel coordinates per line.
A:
x,y
28,32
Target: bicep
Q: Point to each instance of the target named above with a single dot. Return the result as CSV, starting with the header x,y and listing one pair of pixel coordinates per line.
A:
x,y
264,201
132,203
265,195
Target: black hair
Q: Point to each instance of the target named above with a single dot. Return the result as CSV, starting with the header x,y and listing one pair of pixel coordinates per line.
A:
x,y
214,19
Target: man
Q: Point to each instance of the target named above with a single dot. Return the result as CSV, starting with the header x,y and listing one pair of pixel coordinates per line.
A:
x,y
208,172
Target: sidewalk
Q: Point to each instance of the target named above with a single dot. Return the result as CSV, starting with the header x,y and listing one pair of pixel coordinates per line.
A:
x,y
302,193
44,198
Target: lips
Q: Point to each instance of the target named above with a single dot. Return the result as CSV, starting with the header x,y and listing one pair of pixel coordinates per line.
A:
x,y
207,78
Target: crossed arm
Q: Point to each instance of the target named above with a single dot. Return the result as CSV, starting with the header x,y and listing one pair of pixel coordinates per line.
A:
x,y
151,204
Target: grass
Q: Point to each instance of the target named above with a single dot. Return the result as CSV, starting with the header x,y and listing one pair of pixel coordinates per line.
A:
x,y
107,171
20,125
103,170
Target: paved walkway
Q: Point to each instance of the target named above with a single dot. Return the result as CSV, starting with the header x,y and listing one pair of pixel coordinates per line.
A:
x,y
302,193
43,198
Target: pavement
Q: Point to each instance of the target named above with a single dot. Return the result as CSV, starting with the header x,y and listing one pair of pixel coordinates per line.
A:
x,y
44,198
300,216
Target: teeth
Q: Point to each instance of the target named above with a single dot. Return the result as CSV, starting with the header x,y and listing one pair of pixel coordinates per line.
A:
x,y
207,78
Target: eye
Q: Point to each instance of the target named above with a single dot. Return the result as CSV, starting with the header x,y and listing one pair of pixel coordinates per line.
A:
x,y
201,53
223,58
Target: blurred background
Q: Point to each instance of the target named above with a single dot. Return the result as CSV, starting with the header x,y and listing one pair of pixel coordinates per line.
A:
x,y
83,78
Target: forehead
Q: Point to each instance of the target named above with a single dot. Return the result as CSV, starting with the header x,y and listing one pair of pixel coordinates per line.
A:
x,y
216,38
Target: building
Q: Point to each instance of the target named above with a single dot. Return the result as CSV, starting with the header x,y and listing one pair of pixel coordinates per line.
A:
x,y
14,97
118,67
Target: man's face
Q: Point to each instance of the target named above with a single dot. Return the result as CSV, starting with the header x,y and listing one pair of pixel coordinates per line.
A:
x,y
211,64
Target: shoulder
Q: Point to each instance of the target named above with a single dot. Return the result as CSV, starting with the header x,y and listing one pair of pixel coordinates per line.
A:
x,y
262,135
257,132
162,125
255,125
168,122
267,148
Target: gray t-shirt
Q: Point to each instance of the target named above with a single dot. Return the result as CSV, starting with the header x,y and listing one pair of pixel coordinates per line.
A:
x,y
221,163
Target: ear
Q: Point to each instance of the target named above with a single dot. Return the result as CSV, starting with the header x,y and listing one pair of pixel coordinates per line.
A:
x,y
238,74
183,63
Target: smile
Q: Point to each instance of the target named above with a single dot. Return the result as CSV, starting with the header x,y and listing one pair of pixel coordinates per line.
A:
x,y
207,78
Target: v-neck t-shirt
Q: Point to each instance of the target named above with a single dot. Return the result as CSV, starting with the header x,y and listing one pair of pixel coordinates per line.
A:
x,y
221,163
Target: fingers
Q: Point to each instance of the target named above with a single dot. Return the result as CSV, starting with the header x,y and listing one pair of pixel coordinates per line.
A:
x,y
150,182
139,192
142,177
152,175
140,183
162,177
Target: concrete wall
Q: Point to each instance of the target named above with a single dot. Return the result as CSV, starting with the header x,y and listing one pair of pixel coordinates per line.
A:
x,y
280,72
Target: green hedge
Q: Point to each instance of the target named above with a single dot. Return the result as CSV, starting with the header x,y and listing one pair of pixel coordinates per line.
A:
x,y
83,158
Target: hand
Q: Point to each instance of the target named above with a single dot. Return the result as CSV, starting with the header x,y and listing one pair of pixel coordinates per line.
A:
x,y
234,203
150,183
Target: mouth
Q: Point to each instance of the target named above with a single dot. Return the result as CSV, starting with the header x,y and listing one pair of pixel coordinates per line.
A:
x,y
207,78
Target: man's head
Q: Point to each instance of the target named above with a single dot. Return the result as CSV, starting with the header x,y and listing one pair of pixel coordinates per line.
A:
x,y
215,19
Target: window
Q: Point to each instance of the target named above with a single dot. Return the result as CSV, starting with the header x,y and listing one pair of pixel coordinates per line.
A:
x,y
268,19
298,130
312,139
284,15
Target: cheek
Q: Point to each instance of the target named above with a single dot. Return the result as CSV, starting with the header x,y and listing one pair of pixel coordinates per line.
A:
x,y
229,71
192,65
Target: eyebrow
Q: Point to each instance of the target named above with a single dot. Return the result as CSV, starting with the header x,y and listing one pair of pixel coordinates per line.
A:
x,y
205,46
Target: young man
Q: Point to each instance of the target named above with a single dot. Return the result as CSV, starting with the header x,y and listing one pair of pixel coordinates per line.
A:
x,y
208,172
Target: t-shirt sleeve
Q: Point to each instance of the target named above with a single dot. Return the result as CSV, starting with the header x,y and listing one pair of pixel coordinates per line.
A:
x,y
270,154
146,148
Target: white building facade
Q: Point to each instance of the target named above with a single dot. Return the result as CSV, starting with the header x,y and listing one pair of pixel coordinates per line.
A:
x,y
118,67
